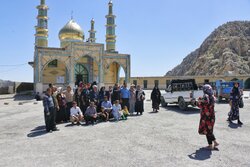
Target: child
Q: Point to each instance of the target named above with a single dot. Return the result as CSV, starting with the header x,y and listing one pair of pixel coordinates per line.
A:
x,y
103,115
125,112
116,110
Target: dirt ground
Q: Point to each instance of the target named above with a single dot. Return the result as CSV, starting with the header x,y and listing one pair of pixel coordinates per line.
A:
x,y
167,138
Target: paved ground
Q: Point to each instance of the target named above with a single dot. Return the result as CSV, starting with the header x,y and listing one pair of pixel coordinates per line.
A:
x,y
168,138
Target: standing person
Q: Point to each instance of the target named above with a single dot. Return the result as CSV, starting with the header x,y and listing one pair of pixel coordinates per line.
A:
x,y
207,116
54,95
84,98
140,97
125,94
49,111
156,99
93,95
110,93
132,99
115,94
101,95
78,93
235,97
69,96
61,113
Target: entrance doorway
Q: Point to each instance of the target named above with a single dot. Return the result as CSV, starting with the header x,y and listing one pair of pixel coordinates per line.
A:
x,y
247,84
81,74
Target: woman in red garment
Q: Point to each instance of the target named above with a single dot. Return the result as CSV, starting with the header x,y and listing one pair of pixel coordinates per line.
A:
x,y
207,116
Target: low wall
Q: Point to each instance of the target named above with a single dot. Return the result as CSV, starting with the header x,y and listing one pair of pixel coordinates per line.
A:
x,y
17,87
4,90
23,87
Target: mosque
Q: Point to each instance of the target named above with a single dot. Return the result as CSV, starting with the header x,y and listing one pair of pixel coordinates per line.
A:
x,y
77,59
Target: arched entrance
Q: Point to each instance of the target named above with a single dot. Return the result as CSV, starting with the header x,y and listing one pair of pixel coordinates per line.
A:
x,y
235,79
113,73
55,71
247,84
81,74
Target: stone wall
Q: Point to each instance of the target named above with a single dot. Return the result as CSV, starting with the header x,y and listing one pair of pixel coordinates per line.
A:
x,y
23,87
200,80
16,87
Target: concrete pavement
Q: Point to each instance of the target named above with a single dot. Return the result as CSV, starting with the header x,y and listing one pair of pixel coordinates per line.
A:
x,y
168,138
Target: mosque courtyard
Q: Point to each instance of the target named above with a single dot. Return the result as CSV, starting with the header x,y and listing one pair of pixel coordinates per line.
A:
x,y
167,138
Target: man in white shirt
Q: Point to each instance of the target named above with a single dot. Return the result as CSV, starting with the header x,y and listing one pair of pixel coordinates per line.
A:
x,y
75,114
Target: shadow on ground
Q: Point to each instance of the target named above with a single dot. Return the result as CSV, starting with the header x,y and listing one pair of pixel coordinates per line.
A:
x,y
38,131
20,97
153,112
201,154
175,108
233,125
222,102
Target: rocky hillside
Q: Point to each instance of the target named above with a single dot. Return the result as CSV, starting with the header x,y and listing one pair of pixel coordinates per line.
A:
x,y
4,83
225,50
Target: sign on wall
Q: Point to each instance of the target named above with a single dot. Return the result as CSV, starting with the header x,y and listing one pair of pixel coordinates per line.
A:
x,y
60,79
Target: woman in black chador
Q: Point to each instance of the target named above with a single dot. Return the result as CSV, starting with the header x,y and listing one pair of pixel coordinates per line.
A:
x,y
235,97
156,99
140,97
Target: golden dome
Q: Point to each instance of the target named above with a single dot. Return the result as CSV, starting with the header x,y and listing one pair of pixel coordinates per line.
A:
x,y
71,31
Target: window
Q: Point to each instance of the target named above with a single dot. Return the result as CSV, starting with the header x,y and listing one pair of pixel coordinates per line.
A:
x,y
145,84
206,81
135,82
53,63
157,83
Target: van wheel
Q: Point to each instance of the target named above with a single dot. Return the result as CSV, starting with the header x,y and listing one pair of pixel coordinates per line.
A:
x,y
163,103
219,99
182,104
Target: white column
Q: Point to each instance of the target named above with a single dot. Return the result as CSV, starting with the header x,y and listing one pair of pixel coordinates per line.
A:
x,y
39,87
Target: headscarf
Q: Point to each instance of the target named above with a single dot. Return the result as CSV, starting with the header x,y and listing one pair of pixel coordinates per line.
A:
x,y
236,89
207,89
208,93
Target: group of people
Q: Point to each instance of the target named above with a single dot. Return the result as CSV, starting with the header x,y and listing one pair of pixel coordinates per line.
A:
x,y
207,114
90,105
87,103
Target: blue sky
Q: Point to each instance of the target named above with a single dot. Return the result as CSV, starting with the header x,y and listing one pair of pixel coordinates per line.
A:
x,y
158,34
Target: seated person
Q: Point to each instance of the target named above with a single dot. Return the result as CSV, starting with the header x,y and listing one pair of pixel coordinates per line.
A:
x,y
75,114
116,110
125,112
38,97
91,114
106,104
102,115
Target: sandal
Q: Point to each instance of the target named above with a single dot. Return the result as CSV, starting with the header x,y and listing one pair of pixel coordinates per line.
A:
x,y
209,147
216,144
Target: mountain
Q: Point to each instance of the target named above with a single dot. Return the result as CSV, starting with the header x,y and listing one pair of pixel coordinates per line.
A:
x,y
4,83
225,50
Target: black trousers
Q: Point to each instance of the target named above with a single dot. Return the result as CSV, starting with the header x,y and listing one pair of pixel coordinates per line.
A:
x,y
50,120
210,138
89,118
61,115
125,102
69,105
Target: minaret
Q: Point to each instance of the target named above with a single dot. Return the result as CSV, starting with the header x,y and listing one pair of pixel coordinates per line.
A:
x,y
110,29
41,36
92,32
